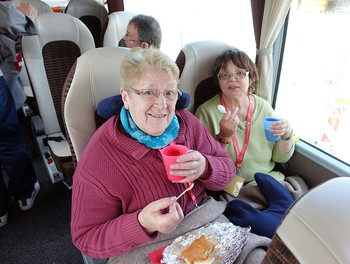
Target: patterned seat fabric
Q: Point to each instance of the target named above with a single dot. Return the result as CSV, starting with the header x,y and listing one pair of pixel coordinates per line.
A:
x,y
49,57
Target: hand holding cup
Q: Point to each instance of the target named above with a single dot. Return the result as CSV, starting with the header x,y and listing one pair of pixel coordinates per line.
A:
x,y
268,121
170,155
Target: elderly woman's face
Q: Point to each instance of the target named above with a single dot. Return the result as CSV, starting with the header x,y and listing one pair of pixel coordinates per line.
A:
x,y
152,116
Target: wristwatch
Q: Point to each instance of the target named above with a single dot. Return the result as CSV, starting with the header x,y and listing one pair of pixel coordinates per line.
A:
x,y
289,137
221,140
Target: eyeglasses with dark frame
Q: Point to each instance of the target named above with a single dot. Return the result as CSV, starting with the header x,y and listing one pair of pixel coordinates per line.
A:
x,y
237,75
153,94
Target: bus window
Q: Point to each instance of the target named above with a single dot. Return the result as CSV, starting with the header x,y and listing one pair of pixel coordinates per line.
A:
x,y
314,84
185,21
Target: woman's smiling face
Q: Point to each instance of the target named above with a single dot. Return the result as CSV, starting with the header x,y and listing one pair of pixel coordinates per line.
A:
x,y
152,117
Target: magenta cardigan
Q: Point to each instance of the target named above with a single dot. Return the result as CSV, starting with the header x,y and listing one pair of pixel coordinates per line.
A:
x,y
117,176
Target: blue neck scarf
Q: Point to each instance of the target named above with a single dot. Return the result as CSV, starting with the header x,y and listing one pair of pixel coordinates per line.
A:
x,y
161,141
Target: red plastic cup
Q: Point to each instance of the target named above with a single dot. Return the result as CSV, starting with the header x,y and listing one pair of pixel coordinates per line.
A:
x,y
170,155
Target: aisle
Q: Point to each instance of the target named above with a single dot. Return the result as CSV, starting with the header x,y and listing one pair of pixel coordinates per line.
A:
x,y
41,234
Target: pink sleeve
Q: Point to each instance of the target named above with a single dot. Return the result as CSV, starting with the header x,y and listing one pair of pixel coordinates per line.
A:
x,y
98,227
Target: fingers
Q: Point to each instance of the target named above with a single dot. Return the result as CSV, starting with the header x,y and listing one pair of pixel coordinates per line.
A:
x,y
162,204
152,217
231,114
176,210
192,166
28,10
281,128
229,123
235,110
166,223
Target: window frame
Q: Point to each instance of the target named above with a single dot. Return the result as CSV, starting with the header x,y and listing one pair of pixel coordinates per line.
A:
x,y
306,149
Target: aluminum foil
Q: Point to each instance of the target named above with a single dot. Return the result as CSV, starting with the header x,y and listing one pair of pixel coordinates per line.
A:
x,y
228,239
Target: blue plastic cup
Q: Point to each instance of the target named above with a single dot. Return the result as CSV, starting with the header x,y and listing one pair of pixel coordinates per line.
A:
x,y
268,121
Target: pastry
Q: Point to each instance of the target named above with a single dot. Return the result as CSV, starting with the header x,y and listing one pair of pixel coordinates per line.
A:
x,y
199,251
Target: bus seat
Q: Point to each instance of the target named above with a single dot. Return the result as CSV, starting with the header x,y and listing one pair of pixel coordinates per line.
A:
x,y
116,27
49,56
196,61
41,7
88,84
93,14
315,228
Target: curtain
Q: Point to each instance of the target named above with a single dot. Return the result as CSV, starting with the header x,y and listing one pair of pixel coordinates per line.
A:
x,y
115,5
257,13
275,12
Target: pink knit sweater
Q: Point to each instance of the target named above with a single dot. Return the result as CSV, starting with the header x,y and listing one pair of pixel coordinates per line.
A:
x,y
117,176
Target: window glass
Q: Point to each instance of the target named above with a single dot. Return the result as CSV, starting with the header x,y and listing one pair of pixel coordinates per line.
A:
x,y
184,21
54,3
314,85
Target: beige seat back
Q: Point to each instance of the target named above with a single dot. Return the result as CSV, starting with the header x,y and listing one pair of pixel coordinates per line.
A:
x,y
196,61
49,57
116,27
96,77
92,13
316,227
41,7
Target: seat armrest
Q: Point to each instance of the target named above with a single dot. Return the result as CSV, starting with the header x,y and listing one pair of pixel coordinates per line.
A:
x,y
37,125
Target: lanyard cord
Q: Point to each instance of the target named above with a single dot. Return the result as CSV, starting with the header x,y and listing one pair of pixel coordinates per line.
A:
x,y
187,184
240,154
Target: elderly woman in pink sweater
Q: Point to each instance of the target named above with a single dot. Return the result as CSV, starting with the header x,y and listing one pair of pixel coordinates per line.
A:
x,y
123,203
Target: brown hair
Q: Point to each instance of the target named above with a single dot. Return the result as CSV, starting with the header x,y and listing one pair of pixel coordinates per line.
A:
x,y
241,60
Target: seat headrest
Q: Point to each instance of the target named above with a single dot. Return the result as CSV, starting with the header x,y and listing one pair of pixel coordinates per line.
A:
x,y
116,28
198,58
96,77
316,228
69,41
81,8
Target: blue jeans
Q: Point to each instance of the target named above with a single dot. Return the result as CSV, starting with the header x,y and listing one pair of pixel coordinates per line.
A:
x,y
13,157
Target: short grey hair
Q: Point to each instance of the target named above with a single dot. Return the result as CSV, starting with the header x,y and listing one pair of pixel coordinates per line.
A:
x,y
138,60
148,29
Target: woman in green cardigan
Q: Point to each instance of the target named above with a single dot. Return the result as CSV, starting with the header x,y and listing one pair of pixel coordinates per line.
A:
x,y
241,129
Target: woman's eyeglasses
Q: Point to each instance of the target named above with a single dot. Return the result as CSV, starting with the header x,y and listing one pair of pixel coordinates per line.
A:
x,y
153,94
237,75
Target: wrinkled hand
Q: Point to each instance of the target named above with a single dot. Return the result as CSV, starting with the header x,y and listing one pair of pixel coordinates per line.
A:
x,y
191,165
281,128
28,10
229,123
152,218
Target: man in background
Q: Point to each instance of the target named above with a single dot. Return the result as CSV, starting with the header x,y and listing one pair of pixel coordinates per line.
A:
x,y
142,31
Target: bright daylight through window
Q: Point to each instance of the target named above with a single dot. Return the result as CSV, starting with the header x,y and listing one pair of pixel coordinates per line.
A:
x,y
185,21
314,86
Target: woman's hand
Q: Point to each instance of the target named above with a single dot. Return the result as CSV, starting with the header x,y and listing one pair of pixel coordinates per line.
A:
x,y
152,218
191,165
28,10
228,124
281,128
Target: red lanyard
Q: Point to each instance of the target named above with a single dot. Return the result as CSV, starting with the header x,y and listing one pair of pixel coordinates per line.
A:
x,y
240,154
188,184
